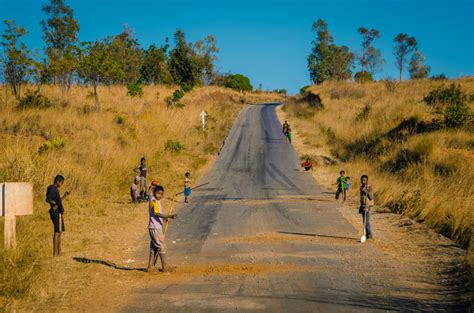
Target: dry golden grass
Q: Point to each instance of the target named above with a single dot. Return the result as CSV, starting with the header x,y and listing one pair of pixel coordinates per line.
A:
x,y
437,189
104,141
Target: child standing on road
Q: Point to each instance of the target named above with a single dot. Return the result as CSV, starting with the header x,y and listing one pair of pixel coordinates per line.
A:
x,y
341,185
155,229
366,204
187,187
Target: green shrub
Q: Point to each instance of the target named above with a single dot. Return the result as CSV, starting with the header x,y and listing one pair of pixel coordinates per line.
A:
x,y
33,99
173,146
304,90
456,115
120,119
134,90
451,102
364,113
178,94
49,145
439,77
362,77
239,82
186,87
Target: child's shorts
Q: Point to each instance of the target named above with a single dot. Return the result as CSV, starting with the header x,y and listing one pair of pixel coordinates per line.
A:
x,y
157,240
57,219
187,191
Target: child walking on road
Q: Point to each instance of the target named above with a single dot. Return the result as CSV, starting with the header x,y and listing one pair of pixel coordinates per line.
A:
x,y
187,187
155,229
366,204
341,185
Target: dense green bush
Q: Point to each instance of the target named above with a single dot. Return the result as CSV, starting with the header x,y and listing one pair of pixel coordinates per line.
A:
x,y
134,90
239,82
362,77
33,99
175,98
451,102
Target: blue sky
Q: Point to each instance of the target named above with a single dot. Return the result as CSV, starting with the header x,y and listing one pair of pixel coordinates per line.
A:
x,y
270,40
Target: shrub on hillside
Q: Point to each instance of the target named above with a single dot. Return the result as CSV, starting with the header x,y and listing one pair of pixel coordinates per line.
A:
x,y
304,90
238,82
439,77
56,143
134,90
364,113
362,77
451,102
33,99
391,84
173,146
120,119
175,98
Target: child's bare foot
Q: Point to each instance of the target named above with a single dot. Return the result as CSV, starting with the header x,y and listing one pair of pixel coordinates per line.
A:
x,y
150,269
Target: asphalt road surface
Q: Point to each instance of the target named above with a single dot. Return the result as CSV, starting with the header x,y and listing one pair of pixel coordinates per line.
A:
x,y
265,237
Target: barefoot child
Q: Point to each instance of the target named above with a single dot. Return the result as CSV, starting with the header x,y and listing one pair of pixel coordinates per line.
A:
x,y
141,170
56,211
366,204
187,187
341,185
155,229
134,192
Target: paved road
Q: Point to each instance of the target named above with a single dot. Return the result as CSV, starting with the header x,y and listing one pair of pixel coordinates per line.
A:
x,y
265,237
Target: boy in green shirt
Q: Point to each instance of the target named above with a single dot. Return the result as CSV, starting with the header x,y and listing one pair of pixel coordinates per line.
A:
x,y
341,185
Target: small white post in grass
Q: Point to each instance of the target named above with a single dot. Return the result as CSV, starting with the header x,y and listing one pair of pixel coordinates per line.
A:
x,y
15,199
203,115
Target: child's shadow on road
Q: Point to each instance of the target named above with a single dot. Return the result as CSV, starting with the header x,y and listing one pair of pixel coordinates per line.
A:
x,y
108,263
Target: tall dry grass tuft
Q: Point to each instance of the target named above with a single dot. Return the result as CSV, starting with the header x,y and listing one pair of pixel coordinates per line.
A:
x,y
417,167
95,143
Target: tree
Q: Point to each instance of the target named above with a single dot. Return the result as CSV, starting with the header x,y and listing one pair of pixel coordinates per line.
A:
x,y
16,61
370,59
417,67
328,61
128,56
404,45
154,69
180,63
60,34
239,82
96,63
205,55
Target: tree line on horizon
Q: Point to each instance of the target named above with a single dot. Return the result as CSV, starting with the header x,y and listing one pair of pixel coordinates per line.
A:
x,y
116,59
328,61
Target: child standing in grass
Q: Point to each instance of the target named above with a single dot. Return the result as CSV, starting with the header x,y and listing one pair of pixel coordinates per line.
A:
x,y
341,185
141,170
134,192
187,186
155,230
366,204
56,211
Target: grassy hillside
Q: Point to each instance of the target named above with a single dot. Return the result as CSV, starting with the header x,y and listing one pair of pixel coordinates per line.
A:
x,y
417,166
96,146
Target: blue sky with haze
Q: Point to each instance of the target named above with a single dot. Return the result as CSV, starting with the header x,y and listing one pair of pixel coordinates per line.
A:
x,y
270,40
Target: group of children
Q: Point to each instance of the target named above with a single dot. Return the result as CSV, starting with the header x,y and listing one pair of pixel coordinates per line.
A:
x,y
141,192
343,183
